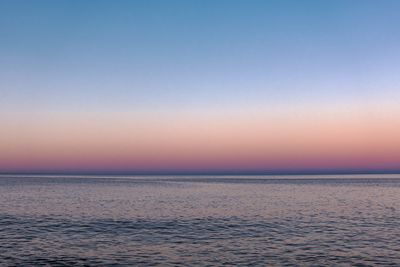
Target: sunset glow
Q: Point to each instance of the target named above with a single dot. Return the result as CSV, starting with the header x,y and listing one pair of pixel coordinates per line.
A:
x,y
183,87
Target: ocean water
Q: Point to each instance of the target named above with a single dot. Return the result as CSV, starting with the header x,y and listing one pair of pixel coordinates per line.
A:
x,y
200,220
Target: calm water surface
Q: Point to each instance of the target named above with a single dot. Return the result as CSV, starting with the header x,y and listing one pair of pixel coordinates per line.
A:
x,y
200,220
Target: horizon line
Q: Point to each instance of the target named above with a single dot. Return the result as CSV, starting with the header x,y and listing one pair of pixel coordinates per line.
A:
x,y
219,173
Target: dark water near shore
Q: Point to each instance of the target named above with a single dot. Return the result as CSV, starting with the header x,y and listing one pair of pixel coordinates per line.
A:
x,y
200,220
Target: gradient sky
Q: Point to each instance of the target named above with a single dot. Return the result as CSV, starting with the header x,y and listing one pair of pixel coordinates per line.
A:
x,y
199,86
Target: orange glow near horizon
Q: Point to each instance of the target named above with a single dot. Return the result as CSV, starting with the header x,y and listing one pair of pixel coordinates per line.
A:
x,y
230,140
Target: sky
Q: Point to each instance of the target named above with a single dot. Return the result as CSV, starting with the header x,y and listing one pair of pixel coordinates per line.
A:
x,y
199,86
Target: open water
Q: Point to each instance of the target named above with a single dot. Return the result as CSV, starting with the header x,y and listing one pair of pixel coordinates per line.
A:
x,y
351,220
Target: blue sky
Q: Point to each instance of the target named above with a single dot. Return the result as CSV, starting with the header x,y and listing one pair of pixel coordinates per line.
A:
x,y
162,54
199,86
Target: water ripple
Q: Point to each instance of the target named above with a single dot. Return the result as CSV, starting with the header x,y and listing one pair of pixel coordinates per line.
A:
x,y
198,223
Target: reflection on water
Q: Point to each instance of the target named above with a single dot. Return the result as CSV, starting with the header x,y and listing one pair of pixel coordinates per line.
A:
x,y
195,220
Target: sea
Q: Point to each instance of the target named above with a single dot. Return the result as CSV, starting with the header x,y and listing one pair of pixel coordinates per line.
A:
x,y
296,220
